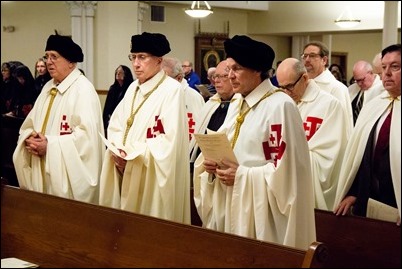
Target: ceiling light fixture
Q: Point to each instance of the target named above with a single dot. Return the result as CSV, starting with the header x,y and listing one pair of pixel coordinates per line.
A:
x,y
197,11
346,19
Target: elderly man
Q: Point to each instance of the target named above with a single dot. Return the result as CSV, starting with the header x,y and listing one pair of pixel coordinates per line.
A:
x,y
372,164
193,100
212,116
367,86
59,150
324,123
268,194
149,173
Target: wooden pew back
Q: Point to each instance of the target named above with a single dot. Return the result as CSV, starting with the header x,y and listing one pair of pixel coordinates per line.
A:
x,y
56,232
357,242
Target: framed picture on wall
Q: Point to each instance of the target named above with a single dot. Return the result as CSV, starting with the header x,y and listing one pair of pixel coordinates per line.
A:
x,y
209,51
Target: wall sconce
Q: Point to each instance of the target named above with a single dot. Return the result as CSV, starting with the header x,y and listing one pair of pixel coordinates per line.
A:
x,y
8,29
346,19
197,11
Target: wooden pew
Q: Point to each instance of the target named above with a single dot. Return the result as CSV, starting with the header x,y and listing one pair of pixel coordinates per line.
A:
x,y
357,242
55,232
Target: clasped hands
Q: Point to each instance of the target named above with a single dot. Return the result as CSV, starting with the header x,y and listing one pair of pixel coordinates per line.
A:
x,y
225,171
36,144
119,161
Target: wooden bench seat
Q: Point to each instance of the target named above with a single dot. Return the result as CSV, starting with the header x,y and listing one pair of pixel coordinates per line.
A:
x,y
56,232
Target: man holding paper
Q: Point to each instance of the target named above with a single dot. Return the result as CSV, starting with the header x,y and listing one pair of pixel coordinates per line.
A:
x,y
372,164
268,193
150,174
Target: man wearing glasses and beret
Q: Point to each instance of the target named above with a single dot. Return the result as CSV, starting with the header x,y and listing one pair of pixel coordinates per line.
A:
x,y
268,194
325,127
59,151
149,172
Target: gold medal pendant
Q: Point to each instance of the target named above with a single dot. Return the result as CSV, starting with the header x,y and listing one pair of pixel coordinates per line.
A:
x,y
130,121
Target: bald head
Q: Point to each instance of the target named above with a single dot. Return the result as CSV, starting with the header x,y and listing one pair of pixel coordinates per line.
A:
x,y
292,77
289,71
362,67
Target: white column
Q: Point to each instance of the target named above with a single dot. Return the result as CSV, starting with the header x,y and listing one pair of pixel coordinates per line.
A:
x,y
327,39
76,21
142,8
390,29
298,43
82,14
89,37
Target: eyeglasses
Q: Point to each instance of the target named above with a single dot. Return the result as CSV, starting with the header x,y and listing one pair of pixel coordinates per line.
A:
x,y
235,69
291,86
139,57
221,77
186,65
310,55
51,57
361,80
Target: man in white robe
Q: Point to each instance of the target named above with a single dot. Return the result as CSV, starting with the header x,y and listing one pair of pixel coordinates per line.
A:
x,y
212,116
316,60
367,86
324,123
215,109
359,170
151,175
59,150
268,194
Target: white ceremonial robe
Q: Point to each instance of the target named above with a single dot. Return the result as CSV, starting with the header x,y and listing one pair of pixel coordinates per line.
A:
x,y
194,103
358,141
75,151
272,198
330,84
203,120
376,89
324,123
156,180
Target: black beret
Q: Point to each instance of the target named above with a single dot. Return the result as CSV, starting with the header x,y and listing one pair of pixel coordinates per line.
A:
x,y
250,53
153,43
66,47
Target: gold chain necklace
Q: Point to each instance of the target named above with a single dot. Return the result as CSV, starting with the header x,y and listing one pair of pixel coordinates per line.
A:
x,y
130,120
241,116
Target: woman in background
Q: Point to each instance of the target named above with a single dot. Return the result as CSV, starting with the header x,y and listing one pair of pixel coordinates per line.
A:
x,y
123,78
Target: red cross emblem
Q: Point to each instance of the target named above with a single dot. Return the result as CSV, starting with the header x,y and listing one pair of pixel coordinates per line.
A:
x,y
64,126
191,124
311,125
156,129
274,147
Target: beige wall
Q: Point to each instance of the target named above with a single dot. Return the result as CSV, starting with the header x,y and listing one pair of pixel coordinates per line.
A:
x,y
115,22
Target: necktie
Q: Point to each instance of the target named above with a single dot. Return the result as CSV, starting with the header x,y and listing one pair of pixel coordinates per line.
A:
x,y
53,93
358,107
383,138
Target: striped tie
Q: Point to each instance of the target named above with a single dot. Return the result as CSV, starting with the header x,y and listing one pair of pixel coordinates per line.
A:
x,y
358,106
